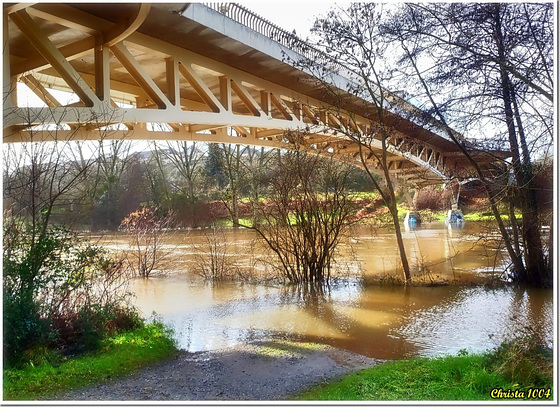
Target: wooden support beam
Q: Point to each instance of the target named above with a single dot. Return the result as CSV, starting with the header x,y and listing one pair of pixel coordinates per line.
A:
x,y
200,88
12,8
140,76
39,90
71,51
124,29
247,99
309,113
172,81
269,133
242,131
70,17
282,107
9,84
195,128
266,105
102,71
53,56
225,92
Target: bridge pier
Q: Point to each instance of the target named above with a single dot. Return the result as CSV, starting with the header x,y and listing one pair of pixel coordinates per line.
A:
x,y
412,199
454,218
412,218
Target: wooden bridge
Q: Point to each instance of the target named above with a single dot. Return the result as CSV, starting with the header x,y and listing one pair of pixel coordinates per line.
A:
x,y
193,72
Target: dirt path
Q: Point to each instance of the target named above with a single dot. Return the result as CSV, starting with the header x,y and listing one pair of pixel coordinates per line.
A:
x,y
257,371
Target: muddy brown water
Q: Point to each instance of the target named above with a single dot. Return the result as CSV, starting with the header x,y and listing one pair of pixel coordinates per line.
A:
x,y
379,321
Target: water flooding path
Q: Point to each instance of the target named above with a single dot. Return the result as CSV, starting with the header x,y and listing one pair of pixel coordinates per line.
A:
x,y
385,322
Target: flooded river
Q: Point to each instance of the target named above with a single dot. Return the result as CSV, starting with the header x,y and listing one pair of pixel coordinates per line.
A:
x,y
381,321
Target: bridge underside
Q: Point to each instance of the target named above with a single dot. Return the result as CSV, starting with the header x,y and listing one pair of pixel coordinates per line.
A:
x,y
133,74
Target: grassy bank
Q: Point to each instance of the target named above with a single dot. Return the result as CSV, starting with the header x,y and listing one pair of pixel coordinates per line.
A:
x,y
517,368
119,355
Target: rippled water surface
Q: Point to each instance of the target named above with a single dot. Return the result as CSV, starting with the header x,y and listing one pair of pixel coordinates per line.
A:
x,y
378,321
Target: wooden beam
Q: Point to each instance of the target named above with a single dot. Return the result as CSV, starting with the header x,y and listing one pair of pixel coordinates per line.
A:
x,y
200,88
37,88
70,17
71,51
12,8
280,105
124,29
102,71
247,99
172,80
53,56
140,76
225,92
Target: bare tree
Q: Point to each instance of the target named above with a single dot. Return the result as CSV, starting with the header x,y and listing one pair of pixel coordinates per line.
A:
x,y
214,260
115,159
147,229
256,163
490,68
235,175
306,213
187,158
158,177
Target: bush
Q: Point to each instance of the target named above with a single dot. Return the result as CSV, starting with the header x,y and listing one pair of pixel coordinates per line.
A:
x,y
433,199
524,359
23,326
147,229
58,291
85,329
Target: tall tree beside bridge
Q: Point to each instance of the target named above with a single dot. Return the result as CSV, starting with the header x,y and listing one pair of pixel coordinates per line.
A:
x,y
351,36
487,68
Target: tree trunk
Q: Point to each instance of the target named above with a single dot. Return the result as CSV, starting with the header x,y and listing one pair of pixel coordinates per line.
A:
x,y
534,271
400,242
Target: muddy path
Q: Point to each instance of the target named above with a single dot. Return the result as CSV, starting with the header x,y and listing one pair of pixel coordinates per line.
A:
x,y
255,371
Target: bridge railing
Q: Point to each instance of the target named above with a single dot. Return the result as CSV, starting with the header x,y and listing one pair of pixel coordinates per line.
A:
x,y
290,40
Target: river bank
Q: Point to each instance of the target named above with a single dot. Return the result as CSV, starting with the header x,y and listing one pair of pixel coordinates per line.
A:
x,y
262,370
271,370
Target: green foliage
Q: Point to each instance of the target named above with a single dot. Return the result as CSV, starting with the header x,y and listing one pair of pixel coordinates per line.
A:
x,y
214,165
23,327
58,292
523,359
518,364
119,355
447,378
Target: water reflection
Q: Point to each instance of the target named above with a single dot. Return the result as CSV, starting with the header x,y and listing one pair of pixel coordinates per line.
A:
x,y
385,322
381,322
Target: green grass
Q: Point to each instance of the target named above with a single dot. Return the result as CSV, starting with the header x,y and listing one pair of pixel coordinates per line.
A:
x,y
465,377
120,355
363,195
489,216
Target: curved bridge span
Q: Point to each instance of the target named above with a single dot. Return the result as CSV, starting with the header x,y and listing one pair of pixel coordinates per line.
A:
x,y
190,72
